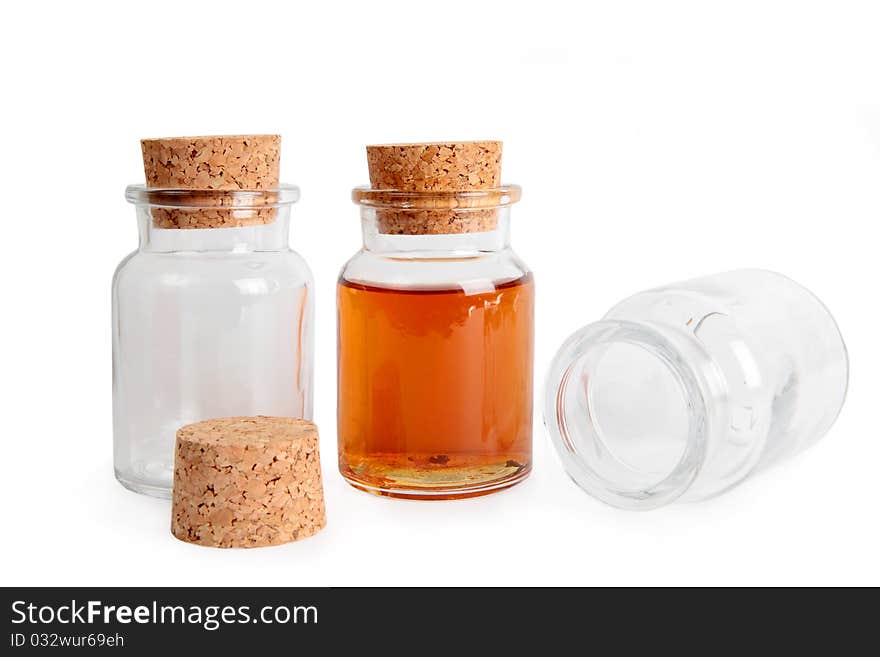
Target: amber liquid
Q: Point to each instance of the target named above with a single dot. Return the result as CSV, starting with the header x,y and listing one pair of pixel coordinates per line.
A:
x,y
435,388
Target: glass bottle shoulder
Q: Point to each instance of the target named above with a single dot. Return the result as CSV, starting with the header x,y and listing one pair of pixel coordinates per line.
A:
x,y
252,272
443,271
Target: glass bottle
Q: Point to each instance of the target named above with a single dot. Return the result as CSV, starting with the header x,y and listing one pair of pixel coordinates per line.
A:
x,y
684,391
435,346
207,322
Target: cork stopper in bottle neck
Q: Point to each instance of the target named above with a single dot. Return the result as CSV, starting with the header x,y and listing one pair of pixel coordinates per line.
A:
x,y
221,163
434,188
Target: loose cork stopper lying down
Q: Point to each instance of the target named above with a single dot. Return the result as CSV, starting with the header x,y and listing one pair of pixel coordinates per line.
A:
x,y
249,162
247,482
438,167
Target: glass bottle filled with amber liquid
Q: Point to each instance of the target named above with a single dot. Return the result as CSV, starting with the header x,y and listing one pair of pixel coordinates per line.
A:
x,y
436,329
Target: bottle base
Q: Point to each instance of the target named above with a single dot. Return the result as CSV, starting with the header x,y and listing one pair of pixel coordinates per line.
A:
x,y
144,487
433,480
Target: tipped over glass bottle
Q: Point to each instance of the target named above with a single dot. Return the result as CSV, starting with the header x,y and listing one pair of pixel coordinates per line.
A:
x,y
684,391
435,329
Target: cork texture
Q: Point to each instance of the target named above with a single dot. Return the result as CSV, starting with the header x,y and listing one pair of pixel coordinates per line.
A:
x,y
440,168
250,162
247,482
445,167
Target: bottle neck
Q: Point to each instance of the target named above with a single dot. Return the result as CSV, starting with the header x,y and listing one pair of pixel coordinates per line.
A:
x,y
432,246
273,236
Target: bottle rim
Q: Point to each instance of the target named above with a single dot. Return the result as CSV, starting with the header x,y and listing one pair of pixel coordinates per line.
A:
x,y
240,199
471,199
581,445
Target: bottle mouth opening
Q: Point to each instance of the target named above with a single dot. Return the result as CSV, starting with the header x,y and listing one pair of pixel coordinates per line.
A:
x,y
239,199
476,199
626,414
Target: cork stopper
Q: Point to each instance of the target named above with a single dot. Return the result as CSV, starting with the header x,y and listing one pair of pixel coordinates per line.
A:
x,y
235,162
443,167
440,168
247,482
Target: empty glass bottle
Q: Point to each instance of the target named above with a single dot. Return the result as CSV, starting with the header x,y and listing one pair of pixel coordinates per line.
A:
x,y
207,322
684,391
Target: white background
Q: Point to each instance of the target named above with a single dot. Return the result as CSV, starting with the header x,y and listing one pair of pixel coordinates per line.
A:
x,y
654,142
